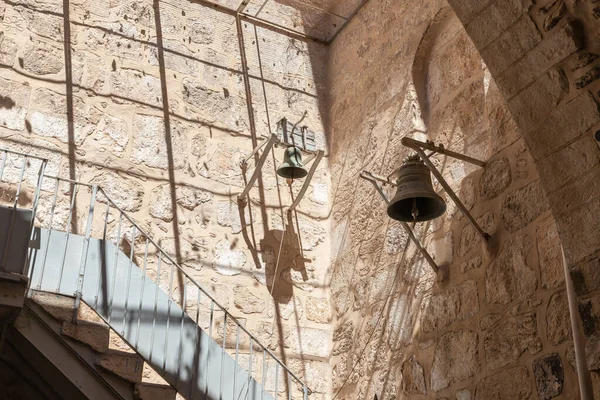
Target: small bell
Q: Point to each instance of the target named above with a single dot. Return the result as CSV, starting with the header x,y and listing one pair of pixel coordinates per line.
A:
x,y
415,200
292,167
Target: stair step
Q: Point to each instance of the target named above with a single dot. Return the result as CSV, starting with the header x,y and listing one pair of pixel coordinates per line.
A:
x,y
151,391
94,335
125,365
61,308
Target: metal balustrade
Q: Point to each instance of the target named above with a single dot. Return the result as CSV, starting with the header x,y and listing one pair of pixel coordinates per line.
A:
x,y
85,245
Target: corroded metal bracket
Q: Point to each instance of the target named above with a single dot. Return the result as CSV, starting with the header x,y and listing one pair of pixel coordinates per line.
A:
x,y
317,159
375,181
268,144
419,148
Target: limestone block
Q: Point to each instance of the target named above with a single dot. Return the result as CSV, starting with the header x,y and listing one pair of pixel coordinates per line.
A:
x,y
319,194
317,310
311,234
124,45
549,376
286,308
585,276
177,57
246,301
495,178
161,202
509,278
42,58
48,117
126,193
318,376
506,342
343,337
463,394
8,50
470,238
550,256
44,24
399,327
456,358
146,391
341,303
522,206
442,249
130,85
125,365
228,261
558,319
473,263
94,335
111,135
199,144
151,146
413,377
223,165
272,336
488,321
458,303
510,384
14,104
311,342
228,215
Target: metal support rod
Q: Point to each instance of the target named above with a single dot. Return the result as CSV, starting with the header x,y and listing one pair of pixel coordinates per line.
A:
x,y
450,192
414,144
307,181
411,235
583,374
258,167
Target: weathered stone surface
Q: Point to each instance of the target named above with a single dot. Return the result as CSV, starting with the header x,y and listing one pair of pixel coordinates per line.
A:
x,y
470,238
522,206
509,278
488,321
319,374
463,394
271,336
558,319
511,384
94,335
551,264
473,263
442,249
586,276
458,303
506,342
13,104
161,202
317,310
413,377
310,233
456,359
42,58
128,85
112,135
341,303
199,145
151,146
312,342
549,376
223,165
228,261
8,50
246,301
495,178
126,193
286,308
399,326
127,366
44,24
228,214
343,337
320,194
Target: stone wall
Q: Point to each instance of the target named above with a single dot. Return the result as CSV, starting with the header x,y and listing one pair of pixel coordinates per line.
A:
x,y
148,100
494,322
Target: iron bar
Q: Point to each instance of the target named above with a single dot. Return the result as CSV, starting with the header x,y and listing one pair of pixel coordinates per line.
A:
x,y
223,356
197,348
114,280
50,230
276,380
179,351
347,21
264,368
71,181
23,154
4,157
84,253
156,289
237,349
210,328
416,144
103,249
12,215
307,180
139,322
169,302
131,264
451,193
422,250
289,387
68,228
258,167
36,200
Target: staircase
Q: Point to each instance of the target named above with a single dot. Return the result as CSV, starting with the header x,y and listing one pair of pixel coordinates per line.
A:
x,y
85,247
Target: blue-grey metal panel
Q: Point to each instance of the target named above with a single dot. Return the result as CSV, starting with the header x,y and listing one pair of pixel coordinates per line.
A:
x,y
113,286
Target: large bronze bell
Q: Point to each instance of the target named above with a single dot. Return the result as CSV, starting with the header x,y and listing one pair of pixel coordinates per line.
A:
x,y
292,167
415,199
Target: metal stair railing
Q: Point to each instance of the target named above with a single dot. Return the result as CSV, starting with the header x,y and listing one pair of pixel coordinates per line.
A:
x,y
59,210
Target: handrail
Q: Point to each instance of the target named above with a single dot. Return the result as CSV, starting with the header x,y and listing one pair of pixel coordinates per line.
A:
x,y
170,259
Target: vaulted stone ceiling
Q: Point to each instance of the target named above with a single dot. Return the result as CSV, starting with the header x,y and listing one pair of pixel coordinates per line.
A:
x,y
319,19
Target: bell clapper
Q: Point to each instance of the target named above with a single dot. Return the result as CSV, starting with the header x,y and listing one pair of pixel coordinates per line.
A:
x,y
415,210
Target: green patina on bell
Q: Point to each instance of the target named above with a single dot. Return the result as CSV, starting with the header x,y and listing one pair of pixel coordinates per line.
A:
x,y
415,199
292,167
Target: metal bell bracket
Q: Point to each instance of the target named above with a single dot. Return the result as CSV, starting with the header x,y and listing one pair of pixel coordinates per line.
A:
x,y
268,144
375,180
419,147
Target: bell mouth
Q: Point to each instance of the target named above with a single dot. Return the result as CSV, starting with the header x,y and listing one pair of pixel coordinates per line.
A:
x,y
428,207
292,172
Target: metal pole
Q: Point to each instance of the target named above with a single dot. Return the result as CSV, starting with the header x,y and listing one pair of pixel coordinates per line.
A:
x,y
450,192
583,374
313,168
258,167
409,231
414,144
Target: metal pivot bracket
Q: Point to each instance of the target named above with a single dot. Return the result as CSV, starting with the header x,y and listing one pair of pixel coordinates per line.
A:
x,y
419,147
317,159
375,181
267,144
